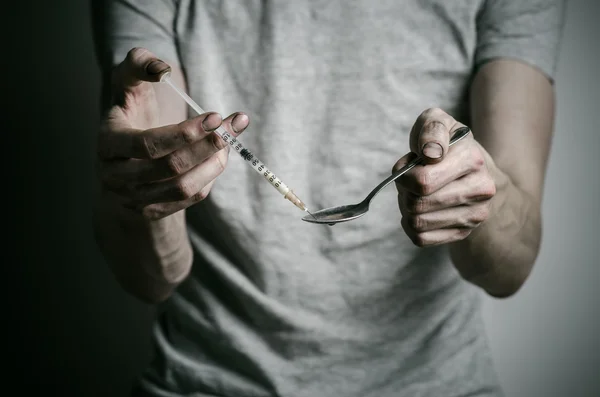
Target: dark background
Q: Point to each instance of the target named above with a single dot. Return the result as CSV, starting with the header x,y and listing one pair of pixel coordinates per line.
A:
x,y
71,331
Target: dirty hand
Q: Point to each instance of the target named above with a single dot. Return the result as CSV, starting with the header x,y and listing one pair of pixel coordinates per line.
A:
x,y
449,194
155,170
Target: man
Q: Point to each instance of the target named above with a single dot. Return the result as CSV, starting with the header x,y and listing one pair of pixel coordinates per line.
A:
x,y
259,303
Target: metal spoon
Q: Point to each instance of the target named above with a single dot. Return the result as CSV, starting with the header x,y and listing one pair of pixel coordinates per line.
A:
x,y
345,213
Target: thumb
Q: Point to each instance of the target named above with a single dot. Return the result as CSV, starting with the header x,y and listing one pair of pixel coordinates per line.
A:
x,y
140,65
433,141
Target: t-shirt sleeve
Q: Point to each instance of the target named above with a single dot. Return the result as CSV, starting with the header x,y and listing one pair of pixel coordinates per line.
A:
x,y
525,30
120,25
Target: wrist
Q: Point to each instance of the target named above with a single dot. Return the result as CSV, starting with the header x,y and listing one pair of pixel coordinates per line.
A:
x,y
160,248
503,185
133,221
498,255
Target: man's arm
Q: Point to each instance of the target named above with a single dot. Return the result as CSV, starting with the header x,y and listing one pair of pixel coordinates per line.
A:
x,y
148,258
150,173
512,114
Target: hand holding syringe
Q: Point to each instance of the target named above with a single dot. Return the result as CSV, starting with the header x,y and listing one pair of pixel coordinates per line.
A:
x,y
250,159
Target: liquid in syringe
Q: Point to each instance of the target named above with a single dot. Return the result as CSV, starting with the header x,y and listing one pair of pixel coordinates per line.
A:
x,y
249,158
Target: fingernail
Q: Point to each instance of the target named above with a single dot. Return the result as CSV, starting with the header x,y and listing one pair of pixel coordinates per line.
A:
x,y
211,122
239,122
156,67
433,150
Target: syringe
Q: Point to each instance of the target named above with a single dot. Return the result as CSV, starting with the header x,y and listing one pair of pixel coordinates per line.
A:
x,y
254,162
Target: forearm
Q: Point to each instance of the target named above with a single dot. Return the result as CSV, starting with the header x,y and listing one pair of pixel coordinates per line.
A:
x,y
498,255
148,258
512,113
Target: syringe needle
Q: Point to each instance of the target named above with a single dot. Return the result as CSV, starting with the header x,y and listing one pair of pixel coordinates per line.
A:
x,y
297,202
249,158
291,196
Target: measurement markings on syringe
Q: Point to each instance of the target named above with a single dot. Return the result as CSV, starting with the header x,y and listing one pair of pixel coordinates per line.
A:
x,y
248,156
257,165
232,141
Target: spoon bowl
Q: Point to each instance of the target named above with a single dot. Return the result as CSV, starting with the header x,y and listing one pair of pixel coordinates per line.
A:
x,y
344,213
333,215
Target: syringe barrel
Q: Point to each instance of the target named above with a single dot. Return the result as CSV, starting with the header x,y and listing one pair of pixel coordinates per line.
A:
x,y
253,161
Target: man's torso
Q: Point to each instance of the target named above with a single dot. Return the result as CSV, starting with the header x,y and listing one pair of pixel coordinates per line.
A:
x,y
277,306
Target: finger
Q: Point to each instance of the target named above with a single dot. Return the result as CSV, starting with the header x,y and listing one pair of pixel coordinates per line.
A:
x,y
138,66
424,180
186,158
114,197
430,135
155,142
162,210
461,217
182,187
172,165
434,237
402,162
471,188
175,163
236,123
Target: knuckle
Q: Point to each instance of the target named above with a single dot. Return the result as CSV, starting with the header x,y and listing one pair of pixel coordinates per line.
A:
x,y
480,215
425,114
417,205
462,234
422,205
418,223
424,182
217,142
434,126
477,158
410,203
134,54
430,112
419,240
489,189
201,195
426,189
486,189
220,160
187,133
416,238
149,147
185,189
175,163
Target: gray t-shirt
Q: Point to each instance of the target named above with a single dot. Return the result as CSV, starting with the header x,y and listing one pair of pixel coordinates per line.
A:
x,y
275,306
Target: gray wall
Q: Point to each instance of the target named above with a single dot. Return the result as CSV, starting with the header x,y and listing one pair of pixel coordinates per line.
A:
x,y
546,339
74,332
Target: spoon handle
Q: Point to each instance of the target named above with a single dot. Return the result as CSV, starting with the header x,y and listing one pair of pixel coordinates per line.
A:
x,y
458,135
